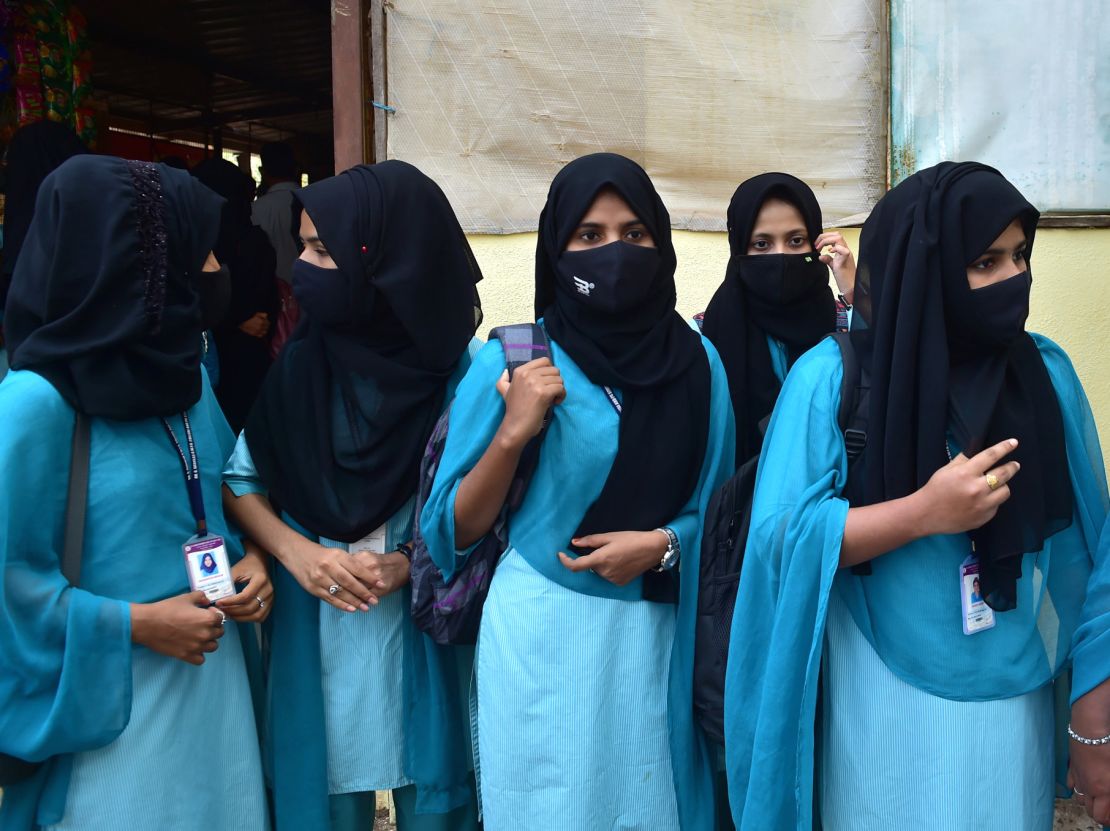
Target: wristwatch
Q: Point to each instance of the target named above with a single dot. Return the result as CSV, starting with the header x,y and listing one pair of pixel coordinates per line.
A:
x,y
671,555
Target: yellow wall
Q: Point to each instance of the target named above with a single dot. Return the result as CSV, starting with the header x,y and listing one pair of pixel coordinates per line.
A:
x,y
1071,291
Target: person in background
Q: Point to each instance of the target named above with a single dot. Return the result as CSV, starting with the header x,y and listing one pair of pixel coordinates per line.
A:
x,y
775,302
273,213
34,151
132,688
273,209
243,335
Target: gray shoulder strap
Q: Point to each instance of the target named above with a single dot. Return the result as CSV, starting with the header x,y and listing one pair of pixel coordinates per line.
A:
x,y
76,500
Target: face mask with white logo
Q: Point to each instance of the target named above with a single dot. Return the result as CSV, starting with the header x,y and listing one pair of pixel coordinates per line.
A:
x,y
611,278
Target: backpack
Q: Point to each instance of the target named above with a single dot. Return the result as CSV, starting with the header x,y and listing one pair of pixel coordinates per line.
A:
x,y
449,612
725,535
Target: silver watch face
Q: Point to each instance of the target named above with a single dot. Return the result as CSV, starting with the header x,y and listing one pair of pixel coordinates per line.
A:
x,y
670,558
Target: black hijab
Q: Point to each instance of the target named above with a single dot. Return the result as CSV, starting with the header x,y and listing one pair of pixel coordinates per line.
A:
x,y
34,151
105,299
233,185
341,421
648,352
941,354
748,306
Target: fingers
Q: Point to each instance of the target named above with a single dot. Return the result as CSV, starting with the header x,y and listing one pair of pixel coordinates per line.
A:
x,y
989,458
1003,473
503,384
197,598
576,564
592,541
1098,807
536,364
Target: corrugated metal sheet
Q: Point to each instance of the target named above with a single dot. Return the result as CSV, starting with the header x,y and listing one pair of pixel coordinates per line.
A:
x,y
259,69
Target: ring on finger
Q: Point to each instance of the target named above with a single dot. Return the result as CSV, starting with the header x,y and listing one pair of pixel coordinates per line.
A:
x,y
261,602
333,589
992,481
223,616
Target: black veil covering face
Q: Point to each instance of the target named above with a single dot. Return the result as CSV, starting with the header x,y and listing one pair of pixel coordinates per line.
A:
x,y
341,421
105,302
941,353
34,151
644,348
786,296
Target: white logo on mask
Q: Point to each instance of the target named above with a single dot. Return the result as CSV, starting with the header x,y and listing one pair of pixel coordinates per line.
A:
x,y
582,286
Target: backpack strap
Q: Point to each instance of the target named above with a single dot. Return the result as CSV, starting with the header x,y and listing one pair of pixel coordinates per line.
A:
x,y
76,500
855,389
522,342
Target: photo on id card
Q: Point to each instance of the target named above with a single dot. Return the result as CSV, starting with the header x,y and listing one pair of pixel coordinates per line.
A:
x,y
208,568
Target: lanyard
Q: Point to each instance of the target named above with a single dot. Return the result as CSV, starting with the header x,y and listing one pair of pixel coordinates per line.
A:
x,y
613,400
191,469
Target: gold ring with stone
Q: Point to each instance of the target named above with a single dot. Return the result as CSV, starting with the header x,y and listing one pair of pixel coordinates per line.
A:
x,y
992,481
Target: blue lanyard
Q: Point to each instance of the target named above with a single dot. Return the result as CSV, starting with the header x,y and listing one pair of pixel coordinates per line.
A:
x,y
191,468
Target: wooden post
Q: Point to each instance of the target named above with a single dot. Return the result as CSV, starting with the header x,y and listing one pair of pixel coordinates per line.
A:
x,y
347,83
379,118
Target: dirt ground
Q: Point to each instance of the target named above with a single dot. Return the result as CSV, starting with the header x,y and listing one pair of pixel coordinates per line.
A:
x,y
1069,817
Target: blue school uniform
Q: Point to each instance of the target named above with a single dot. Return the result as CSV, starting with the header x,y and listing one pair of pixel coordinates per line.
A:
x,y
133,738
584,707
906,691
361,702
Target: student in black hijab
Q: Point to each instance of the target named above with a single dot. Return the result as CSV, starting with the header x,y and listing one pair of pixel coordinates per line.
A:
x,y
593,652
775,302
34,151
386,281
981,463
105,317
243,335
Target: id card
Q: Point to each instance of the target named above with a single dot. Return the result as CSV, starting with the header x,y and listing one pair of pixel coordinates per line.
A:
x,y
978,616
374,541
208,568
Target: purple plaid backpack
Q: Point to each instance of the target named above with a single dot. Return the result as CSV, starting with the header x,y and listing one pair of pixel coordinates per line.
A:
x,y
449,612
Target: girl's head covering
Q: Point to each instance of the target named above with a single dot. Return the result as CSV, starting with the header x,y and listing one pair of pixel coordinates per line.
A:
x,y
341,421
626,334
943,356
235,187
34,151
786,296
105,302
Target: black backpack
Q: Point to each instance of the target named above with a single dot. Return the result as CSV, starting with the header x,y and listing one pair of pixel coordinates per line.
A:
x,y
725,535
449,612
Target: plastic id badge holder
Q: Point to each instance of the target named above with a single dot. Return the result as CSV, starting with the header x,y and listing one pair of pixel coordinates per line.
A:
x,y
977,615
208,567
374,541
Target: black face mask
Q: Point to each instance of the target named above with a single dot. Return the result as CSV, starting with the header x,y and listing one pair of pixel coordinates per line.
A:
x,y
999,311
781,279
612,278
322,293
214,288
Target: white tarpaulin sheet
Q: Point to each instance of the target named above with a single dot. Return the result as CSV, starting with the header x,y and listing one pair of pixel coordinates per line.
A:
x,y
492,97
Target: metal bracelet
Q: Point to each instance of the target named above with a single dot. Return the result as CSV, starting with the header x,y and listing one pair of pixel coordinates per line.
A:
x,y
1075,737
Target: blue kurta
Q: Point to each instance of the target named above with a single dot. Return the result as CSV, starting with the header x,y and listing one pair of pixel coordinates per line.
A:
x,y
352,694
135,739
572,694
907,611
